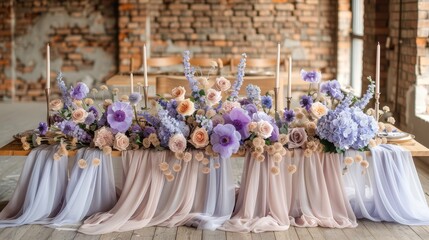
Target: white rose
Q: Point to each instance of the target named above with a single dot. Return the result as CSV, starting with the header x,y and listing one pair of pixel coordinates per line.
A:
x,y
213,97
318,110
121,142
79,115
178,93
264,129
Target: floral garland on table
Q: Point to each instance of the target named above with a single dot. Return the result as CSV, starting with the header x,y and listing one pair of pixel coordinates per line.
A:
x,y
212,123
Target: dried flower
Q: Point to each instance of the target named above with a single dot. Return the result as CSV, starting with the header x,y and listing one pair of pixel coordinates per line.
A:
x,y
358,158
277,157
348,161
96,162
291,169
275,170
163,166
177,167
82,163
206,170
187,157
364,164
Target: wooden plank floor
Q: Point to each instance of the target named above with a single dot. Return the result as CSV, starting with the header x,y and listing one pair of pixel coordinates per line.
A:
x,y
10,168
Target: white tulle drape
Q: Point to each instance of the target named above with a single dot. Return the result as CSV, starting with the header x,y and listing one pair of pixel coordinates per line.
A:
x,y
390,190
40,190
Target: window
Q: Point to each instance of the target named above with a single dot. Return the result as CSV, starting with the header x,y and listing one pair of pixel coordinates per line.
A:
x,y
357,46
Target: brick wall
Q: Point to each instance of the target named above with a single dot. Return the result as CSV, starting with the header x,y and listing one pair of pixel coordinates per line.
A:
x,y
5,45
82,36
224,28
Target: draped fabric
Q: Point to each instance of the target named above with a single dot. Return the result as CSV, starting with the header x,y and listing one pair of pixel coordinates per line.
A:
x,y
40,190
147,199
390,190
91,189
313,196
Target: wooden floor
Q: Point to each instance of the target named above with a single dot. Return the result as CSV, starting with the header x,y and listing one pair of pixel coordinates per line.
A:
x,y
28,117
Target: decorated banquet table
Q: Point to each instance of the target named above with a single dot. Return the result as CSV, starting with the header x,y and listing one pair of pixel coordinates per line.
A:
x,y
326,163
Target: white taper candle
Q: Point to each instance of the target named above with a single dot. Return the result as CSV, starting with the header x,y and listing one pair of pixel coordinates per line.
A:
x,y
145,66
377,70
132,82
289,83
48,67
278,66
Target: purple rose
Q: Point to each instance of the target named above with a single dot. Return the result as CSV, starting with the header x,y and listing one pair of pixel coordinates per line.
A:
x,y
80,91
297,137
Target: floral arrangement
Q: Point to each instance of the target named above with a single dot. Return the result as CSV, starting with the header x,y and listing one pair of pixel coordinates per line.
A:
x,y
210,122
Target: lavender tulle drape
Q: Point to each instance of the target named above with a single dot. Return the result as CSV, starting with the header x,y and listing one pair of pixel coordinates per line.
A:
x,y
313,196
90,190
147,199
40,190
390,190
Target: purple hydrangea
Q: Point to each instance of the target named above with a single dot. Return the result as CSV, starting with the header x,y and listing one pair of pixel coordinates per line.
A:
x,y
289,115
332,88
43,128
80,91
367,128
67,127
135,98
311,76
266,102
225,140
120,116
306,102
240,120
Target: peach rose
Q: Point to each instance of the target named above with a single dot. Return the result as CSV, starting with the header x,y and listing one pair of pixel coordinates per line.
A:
x,y
186,107
121,142
210,113
103,137
222,84
178,93
177,143
79,115
264,129
200,138
213,97
56,105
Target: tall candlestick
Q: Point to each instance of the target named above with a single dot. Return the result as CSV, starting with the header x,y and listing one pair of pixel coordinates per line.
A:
x,y
132,82
377,70
289,82
278,66
48,67
145,65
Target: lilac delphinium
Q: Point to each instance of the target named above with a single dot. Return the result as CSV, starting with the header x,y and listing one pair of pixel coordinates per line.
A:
x,y
120,116
225,140
94,111
135,98
43,128
361,103
289,115
311,76
266,102
306,102
190,75
240,75
64,92
240,120
90,118
170,126
253,93
332,88
80,91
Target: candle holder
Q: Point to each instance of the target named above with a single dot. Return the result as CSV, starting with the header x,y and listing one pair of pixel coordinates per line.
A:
x,y
276,98
48,117
377,106
146,96
288,99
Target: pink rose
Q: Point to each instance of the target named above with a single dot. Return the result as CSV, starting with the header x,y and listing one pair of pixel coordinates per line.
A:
x,y
227,106
213,97
121,142
223,84
177,143
297,137
217,119
264,129
56,105
103,137
79,115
